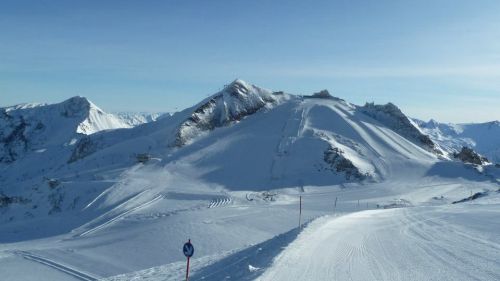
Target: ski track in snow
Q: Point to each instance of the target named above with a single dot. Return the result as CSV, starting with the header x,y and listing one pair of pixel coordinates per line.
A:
x,y
121,215
290,132
58,266
398,244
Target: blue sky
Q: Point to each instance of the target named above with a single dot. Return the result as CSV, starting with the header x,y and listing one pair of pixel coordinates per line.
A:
x,y
435,59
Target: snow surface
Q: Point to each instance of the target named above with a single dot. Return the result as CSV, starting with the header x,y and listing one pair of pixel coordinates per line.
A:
x,y
433,243
85,209
138,118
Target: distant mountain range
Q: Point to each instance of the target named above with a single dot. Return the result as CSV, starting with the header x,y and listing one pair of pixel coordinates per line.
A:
x,y
70,157
137,118
482,137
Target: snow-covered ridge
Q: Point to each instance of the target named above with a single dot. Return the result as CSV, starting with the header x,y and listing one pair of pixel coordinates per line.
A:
x,y
96,119
394,118
138,118
236,101
39,126
482,137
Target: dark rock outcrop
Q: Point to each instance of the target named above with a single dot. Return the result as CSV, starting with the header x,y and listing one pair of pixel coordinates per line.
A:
x,y
468,155
334,157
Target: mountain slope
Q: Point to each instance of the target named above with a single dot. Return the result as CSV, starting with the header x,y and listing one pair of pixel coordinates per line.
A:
x,y
36,127
296,140
242,138
482,137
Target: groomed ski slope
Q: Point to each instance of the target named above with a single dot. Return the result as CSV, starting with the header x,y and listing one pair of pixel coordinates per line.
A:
x,y
440,243
431,241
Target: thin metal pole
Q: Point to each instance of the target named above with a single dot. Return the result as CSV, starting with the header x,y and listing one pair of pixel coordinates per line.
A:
x,y
187,270
300,210
187,267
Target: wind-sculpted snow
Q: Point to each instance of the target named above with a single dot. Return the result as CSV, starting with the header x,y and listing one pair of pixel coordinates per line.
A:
x,y
391,116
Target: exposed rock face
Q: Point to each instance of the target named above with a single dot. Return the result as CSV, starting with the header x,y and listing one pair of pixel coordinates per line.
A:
x,y
83,148
232,104
391,116
467,155
338,163
323,94
75,107
5,201
13,140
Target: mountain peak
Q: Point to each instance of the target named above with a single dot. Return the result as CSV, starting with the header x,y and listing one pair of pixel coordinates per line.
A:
x,y
237,88
78,106
236,101
322,94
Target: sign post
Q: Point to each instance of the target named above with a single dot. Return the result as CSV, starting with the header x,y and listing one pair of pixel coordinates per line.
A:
x,y
300,211
188,251
335,205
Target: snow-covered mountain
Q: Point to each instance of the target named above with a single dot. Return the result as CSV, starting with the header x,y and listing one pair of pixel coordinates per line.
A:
x,y
482,137
293,138
241,138
137,118
34,128
232,166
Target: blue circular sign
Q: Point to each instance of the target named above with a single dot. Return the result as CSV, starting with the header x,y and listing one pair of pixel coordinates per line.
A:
x,y
188,249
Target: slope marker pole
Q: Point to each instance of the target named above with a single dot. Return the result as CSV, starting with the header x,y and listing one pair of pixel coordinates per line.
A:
x,y
187,269
300,211
188,251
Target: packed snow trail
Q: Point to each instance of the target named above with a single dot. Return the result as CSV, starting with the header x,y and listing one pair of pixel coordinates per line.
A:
x,y
120,216
395,244
55,265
